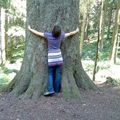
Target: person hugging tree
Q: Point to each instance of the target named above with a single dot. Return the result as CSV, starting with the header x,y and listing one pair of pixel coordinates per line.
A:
x,y
55,59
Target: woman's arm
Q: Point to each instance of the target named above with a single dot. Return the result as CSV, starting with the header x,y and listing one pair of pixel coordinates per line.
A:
x,y
71,33
35,32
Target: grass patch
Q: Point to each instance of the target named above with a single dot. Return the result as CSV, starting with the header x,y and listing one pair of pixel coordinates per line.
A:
x,y
4,80
7,71
112,82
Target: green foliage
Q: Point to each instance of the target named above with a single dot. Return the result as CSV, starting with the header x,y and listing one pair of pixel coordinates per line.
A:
x,y
112,82
104,54
6,75
89,51
4,3
4,79
16,53
6,70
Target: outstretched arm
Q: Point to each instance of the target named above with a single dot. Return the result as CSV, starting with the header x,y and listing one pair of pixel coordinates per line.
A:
x,y
71,33
35,32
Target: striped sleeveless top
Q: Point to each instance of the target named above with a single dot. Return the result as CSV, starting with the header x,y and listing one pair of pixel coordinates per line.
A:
x,y
55,57
54,52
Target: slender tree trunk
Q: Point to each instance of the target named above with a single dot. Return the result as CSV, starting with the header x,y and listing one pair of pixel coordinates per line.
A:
x,y
117,47
96,58
110,19
2,36
6,35
42,15
101,24
82,36
115,33
86,27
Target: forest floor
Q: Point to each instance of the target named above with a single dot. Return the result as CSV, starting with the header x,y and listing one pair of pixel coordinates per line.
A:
x,y
93,105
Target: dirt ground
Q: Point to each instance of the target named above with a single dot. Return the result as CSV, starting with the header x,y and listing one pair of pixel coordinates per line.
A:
x,y
94,105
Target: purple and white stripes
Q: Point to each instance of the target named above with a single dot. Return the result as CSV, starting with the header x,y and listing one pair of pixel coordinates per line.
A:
x,y
55,57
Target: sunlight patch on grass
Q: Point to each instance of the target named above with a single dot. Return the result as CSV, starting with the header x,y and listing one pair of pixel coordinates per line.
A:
x,y
104,71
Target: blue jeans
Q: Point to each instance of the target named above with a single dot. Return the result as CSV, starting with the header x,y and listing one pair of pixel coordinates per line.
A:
x,y
54,79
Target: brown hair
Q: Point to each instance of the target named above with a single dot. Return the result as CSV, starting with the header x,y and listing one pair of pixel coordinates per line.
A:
x,y
56,32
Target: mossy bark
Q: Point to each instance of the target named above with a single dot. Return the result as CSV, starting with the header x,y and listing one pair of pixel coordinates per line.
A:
x,y
31,81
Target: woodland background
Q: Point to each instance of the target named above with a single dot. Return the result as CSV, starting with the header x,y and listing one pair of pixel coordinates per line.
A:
x,y
100,56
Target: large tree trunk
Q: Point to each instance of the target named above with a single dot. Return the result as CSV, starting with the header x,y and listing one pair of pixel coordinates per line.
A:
x,y
31,81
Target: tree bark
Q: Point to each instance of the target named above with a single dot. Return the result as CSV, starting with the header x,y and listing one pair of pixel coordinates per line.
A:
x,y
101,24
115,33
31,81
96,58
6,35
110,19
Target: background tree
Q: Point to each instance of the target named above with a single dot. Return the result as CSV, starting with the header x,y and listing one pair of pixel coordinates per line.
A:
x,y
101,24
115,32
4,4
31,80
2,36
85,15
85,11
109,20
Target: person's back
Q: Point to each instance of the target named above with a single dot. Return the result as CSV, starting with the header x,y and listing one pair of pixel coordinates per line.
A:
x,y
55,59
54,42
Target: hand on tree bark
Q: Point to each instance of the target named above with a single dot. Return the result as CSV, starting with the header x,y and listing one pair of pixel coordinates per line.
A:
x,y
29,28
77,30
